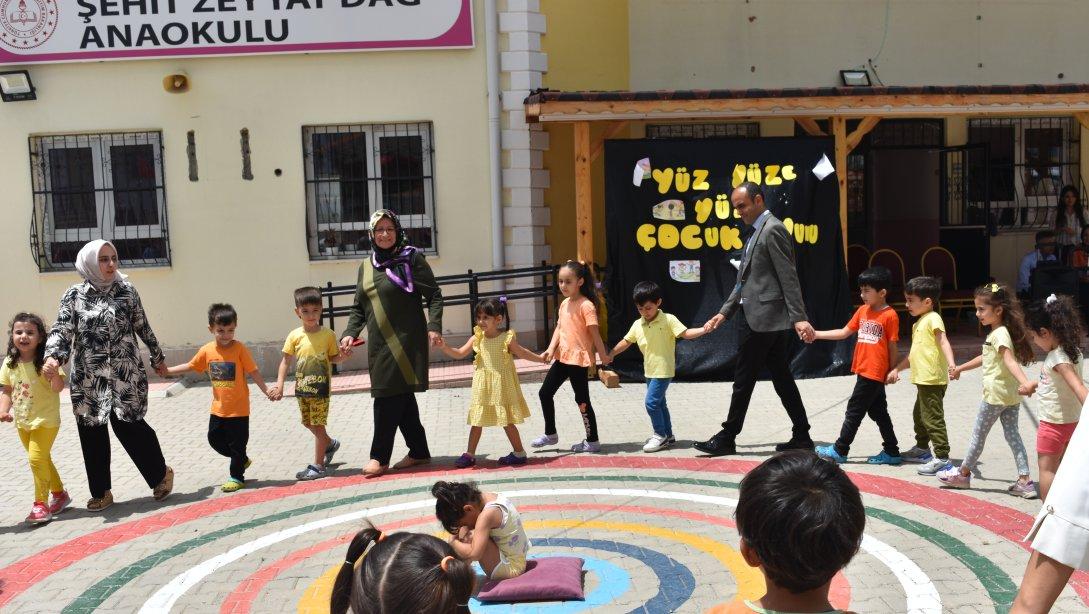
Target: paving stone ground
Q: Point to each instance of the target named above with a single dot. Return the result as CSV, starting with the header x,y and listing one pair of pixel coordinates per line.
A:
x,y
655,529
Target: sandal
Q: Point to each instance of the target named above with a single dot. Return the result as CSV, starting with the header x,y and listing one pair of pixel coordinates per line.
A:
x,y
408,461
374,469
164,488
97,504
232,485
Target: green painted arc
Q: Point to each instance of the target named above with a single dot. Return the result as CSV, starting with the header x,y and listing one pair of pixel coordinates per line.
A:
x,y
1000,588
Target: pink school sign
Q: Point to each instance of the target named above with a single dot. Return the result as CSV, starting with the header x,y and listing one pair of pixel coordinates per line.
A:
x,y
47,31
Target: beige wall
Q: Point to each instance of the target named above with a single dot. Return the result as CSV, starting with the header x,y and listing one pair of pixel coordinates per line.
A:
x,y
681,44
244,241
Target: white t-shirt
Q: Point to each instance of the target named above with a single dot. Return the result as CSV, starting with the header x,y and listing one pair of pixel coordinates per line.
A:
x,y
1058,404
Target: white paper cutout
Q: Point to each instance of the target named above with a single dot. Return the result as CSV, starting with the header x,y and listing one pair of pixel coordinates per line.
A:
x,y
641,172
823,168
685,271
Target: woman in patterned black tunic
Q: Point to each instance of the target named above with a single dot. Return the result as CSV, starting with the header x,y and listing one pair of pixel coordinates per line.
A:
x,y
99,321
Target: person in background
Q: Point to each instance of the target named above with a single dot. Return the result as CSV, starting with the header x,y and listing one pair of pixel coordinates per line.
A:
x,y
1069,221
1046,251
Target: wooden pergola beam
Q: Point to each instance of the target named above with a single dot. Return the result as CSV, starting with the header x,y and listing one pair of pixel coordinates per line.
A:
x,y
584,215
839,132
886,106
864,127
810,126
1083,119
610,132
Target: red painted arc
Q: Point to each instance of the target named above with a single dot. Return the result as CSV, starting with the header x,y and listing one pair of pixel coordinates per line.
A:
x,y
241,599
19,576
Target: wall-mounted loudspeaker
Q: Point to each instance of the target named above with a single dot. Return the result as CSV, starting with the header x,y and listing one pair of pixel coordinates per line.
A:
x,y
176,83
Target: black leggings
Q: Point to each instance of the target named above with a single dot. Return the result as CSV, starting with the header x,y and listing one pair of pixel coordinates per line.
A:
x,y
557,373
229,437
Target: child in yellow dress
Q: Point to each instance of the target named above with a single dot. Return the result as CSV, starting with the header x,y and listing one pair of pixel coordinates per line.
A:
x,y
497,397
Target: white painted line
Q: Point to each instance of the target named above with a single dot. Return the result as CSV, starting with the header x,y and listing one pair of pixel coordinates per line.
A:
x,y
922,595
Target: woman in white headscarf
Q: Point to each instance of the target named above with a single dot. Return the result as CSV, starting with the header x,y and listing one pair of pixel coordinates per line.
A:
x,y
98,321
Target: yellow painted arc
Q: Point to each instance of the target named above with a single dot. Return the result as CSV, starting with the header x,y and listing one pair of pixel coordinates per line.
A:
x,y
750,583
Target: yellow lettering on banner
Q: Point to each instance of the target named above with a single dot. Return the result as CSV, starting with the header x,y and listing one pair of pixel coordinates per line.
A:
x,y
690,237
811,234
771,175
738,175
699,181
730,238
664,177
684,180
799,232
644,236
789,224
703,209
668,237
788,172
710,235
754,174
722,207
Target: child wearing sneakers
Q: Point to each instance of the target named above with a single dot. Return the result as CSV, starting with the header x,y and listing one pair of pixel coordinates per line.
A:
x,y
227,363
656,334
930,360
315,350
801,521
878,329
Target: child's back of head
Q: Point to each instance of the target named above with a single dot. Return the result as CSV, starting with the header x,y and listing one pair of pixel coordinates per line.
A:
x,y
802,518
402,572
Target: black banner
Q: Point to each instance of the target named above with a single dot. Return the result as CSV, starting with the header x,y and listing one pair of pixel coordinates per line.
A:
x,y
668,219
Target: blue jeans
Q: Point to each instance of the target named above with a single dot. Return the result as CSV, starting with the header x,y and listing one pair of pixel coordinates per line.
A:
x,y
656,405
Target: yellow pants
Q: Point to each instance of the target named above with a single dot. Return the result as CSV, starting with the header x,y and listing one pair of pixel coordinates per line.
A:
x,y
38,443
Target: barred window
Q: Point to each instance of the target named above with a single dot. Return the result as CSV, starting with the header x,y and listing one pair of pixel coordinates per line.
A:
x,y
703,131
354,170
1030,159
98,186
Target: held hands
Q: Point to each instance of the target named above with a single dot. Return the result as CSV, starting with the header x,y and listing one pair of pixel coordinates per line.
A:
x,y
435,338
6,417
548,355
893,376
954,373
275,393
161,371
805,331
714,323
1028,389
50,367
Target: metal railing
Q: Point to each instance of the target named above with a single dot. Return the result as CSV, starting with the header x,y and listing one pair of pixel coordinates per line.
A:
x,y
543,287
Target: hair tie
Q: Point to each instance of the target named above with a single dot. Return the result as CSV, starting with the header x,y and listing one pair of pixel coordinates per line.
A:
x,y
503,299
995,288
1051,299
381,537
349,563
445,562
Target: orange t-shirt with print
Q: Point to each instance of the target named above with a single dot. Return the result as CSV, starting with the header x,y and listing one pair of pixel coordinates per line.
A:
x,y
576,345
876,329
227,368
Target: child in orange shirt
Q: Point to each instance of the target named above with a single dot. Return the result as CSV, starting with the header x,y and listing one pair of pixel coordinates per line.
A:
x,y
573,346
227,362
878,329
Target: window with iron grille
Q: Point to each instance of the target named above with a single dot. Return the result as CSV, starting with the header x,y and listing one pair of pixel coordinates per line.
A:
x,y
355,170
1030,159
98,186
703,131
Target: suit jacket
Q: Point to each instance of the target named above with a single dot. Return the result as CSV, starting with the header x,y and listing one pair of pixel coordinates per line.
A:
x,y
770,287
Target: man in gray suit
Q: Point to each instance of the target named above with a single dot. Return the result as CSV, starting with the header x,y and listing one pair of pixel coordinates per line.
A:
x,y
769,298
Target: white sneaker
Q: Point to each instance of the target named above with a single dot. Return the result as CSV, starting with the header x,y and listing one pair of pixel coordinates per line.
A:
x,y
545,440
586,446
934,466
658,442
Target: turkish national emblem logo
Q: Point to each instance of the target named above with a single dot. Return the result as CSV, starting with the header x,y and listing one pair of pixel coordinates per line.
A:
x,y
25,24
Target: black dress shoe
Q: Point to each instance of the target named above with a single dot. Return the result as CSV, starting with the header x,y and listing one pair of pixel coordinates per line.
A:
x,y
795,444
715,446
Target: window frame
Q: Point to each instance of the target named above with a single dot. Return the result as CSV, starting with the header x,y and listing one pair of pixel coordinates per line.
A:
x,y
375,185
45,232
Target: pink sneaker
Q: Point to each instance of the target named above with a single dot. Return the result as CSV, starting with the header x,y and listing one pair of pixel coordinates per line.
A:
x,y
952,478
59,502
39,514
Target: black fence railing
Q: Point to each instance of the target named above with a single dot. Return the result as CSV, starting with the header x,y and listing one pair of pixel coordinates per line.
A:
x,y
542,287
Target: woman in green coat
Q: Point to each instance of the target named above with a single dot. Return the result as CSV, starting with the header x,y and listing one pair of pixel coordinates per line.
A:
x,y
394,285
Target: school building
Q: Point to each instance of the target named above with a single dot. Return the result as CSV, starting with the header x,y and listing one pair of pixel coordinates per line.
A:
x,y
234,150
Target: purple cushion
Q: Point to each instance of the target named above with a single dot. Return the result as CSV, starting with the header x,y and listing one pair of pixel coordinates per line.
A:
x,y
554,578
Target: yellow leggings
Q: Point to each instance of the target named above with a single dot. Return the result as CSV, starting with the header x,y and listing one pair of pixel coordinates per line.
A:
x,y
37,443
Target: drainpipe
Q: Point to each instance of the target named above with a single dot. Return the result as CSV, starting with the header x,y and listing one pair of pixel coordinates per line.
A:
x,y
491,43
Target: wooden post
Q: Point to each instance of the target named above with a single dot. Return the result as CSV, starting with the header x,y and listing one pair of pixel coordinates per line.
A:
x,y
584,218
839,131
